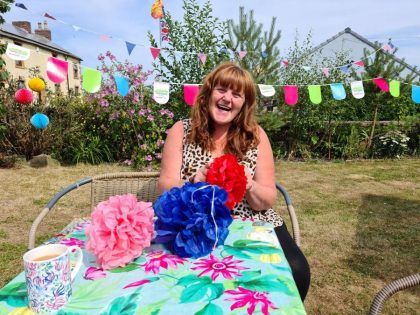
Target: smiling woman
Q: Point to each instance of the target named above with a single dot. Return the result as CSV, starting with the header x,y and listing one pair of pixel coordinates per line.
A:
x,y
223,122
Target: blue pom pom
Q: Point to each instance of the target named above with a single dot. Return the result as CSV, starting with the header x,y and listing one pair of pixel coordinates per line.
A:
x,y
40,121
184,219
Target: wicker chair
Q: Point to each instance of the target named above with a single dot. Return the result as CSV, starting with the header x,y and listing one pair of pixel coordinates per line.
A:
x,y
390,289
143,184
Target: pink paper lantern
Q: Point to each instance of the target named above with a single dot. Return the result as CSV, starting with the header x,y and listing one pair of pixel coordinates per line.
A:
x,y
24,96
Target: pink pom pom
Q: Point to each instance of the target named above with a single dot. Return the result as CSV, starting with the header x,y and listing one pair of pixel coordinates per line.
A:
x,y
24,96
121,228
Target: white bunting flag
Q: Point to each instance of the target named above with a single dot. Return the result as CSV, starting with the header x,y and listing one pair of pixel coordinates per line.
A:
x,y
266,90
161,92
16,52
357,89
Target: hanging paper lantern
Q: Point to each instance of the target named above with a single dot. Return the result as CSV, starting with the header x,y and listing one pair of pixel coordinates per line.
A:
x,y
24,96
157,9
40,121
227,173
36,84
193,219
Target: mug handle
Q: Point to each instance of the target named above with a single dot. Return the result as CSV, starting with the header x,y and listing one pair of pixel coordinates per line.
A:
x,y
79,259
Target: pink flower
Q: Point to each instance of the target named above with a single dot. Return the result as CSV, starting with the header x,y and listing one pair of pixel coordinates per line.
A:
x,y
121,228
244,297
160,259
226,267
73,242
93,273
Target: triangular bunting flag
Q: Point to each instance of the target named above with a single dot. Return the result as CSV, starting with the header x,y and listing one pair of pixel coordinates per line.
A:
x,y
104,37
326,72
242,54
155,52
360,63
285,63
91,80
190,93
264,54
338,91
130,47
306,68
382,84
76,28
415,93
49,16
57,70
315,94
344,69
394,88
290,94
357,89
202,57
21,5
122,85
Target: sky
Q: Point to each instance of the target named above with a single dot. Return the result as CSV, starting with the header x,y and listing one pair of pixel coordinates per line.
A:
x,y
130,20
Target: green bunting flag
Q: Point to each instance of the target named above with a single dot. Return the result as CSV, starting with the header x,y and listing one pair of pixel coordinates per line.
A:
x,y
91,80
315,94
394,88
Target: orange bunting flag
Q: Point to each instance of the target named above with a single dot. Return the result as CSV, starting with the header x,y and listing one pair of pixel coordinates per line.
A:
x,y
157,9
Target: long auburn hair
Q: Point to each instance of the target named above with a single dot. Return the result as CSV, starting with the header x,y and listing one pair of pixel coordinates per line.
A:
x,y
243,131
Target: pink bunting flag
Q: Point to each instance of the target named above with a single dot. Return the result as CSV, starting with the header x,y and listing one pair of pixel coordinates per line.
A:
x,y
57,69
360,63
202,57
155,52
49,16
242,54
104,37
285,63
382,84
387,47
190,93
326,72
290,94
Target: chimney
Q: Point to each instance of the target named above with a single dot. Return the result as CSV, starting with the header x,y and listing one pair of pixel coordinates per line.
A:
x,y
24,25
43,31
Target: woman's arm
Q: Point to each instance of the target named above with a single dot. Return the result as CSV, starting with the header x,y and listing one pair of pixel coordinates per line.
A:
x,y
170,173
262,192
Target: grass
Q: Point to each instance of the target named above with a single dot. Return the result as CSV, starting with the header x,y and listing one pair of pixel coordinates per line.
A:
x,y
359,220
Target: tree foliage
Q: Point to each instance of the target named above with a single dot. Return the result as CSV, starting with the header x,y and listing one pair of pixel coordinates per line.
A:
x,y
4,7
263,55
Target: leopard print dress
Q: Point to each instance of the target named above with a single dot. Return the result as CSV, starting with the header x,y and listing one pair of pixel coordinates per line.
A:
x,y
194,157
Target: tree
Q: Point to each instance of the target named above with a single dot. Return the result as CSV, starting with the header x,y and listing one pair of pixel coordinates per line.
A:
x,y
4,7
198,32
383,65
263,57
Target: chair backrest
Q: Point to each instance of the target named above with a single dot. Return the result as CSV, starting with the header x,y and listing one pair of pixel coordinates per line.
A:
x,y
142,184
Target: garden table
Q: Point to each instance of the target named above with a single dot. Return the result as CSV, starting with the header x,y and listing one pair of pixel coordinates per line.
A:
x,y
249,274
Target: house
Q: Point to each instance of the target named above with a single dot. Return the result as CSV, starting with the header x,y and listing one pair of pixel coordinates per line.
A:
x,y
41,48
355,44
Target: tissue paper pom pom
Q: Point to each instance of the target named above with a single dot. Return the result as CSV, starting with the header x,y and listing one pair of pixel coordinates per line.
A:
x,y
24,96
121,228
40,121
185,223
227,173
36,84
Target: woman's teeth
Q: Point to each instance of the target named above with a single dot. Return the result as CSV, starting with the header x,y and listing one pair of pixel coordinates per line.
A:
x,y
222,107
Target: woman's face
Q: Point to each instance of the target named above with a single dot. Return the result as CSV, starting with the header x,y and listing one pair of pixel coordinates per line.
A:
x,y
225,104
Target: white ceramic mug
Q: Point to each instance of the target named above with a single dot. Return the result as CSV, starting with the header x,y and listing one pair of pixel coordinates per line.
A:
x,y
49,276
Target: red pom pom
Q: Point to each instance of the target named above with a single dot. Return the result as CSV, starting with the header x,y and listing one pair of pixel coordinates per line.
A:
x,y
24,96
228,174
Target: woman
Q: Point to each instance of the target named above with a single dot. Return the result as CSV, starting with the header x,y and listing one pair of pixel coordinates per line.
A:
x,y
223,121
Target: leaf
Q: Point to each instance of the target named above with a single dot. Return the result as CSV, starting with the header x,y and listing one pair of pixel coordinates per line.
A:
x,y
15,294
249,275
193,293
191,279
128,268
230,250
210,309
123,305
141,282
151,309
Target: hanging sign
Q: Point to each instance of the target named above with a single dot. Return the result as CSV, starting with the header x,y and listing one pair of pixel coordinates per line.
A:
x,y
16,52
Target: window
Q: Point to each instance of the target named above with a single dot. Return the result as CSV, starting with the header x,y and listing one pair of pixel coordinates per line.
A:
x,y
19,63
57,88
54,55
75,71
76,90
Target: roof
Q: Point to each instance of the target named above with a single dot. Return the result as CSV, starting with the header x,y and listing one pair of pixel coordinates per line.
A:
x,y
21,34
348,30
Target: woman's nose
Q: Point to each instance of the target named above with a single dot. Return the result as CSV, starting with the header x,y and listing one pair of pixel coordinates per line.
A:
x,y
228,96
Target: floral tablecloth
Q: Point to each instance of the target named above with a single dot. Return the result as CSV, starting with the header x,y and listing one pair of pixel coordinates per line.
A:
x,y
248,275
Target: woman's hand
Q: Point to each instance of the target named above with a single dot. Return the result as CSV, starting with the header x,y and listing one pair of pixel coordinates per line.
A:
x,y
201,174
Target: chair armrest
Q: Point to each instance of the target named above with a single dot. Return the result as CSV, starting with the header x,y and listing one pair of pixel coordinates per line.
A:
x,y
49,206
390,289
292,213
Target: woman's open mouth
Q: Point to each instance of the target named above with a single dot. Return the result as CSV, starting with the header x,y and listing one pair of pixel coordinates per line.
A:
x,y
223,107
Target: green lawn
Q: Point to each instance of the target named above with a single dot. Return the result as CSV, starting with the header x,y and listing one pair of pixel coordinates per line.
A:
x,y
359,220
